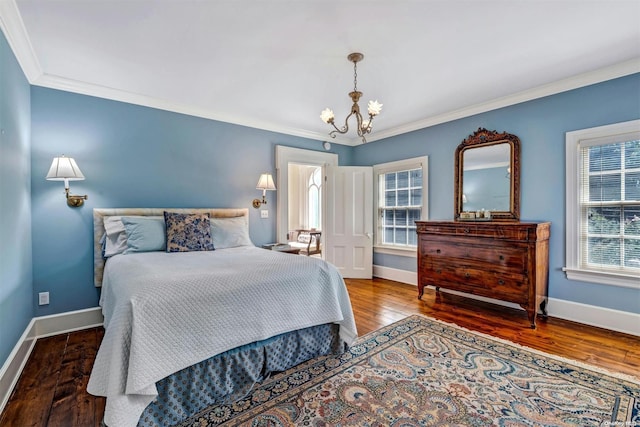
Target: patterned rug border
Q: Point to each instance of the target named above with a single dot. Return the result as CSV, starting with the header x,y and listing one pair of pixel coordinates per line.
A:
x,y
261,399
578,363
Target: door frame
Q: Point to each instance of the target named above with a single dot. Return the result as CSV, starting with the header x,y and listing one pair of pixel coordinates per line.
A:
x,y
284,156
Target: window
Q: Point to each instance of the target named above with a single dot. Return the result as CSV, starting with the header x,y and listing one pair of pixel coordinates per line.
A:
x,y
401,189
603,204
315,198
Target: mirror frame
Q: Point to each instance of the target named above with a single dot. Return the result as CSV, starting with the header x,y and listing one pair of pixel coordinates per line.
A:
x,y
485,138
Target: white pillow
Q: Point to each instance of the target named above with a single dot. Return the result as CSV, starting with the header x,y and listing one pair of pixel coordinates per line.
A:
x,y
116,236
230,232
113,225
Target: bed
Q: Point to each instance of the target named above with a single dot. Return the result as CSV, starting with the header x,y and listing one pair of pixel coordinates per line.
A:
x,y
196,320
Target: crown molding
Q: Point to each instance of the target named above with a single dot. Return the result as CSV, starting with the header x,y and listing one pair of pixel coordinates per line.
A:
x,y
574,82
581,80
12,26
16,34
105,92
608,73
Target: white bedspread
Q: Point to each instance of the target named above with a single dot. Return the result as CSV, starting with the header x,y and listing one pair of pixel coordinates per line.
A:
x,y
166,311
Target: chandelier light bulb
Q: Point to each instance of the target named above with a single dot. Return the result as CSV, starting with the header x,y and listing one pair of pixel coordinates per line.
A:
x,y
327,115
374,107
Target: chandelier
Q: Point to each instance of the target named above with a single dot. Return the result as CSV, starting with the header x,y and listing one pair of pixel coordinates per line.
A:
x,y
373,108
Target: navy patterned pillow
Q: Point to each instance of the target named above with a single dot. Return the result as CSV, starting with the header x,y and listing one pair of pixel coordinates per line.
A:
x,y
188,232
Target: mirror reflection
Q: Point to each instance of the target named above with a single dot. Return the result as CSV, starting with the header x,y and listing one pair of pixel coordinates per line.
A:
x,y
487,178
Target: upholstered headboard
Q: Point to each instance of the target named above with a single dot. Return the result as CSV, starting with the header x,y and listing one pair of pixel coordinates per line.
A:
x,y
100,214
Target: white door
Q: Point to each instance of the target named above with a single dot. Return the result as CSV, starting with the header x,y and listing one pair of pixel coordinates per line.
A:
x,y
348,236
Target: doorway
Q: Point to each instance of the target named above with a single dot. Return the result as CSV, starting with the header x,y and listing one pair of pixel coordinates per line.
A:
x,y
305,196
301,191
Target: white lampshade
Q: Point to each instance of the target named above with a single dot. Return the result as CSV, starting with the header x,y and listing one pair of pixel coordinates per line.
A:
x,y
265,182
64,169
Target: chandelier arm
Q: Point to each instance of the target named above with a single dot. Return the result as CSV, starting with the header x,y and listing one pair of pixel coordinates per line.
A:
x,y
344,129
369,127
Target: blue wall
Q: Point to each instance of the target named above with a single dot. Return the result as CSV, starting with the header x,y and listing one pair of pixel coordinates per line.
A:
x,y
541,126
16,291
135,156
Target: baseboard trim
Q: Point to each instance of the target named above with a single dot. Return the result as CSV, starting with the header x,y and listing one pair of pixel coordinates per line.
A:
x,y
601,317
40,327
397,275
13,366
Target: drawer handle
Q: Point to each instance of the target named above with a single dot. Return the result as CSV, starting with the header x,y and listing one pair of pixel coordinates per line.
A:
x,y
501,282
439,271
467,275
437,251
466,230
501,257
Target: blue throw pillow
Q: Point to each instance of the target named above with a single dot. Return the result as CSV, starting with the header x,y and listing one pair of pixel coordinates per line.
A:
x,y
144,234
188,232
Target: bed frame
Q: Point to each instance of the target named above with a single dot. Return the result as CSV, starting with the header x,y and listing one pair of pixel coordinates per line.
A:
x,y
100,213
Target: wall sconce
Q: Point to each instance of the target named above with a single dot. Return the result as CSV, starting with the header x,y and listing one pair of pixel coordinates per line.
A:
x,y
264,183
66,169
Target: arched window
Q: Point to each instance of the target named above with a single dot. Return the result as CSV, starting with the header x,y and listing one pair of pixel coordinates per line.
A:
x,y
314,195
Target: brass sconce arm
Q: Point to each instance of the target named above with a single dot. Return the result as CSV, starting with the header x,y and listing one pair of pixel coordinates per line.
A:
x,y
74,200
257,202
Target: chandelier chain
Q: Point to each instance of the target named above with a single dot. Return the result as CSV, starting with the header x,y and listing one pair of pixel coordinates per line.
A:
x,y
355,76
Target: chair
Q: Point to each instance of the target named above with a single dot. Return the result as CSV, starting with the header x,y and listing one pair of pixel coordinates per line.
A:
x,y
308,241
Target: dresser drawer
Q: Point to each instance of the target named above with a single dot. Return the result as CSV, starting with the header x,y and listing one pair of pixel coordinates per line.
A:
x,y
512,257
520,232
508,285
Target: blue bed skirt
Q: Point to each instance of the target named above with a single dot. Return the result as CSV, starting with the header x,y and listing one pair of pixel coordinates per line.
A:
x,y
229,376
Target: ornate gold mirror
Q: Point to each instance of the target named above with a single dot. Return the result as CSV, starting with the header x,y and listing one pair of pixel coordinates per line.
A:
x,y
487,177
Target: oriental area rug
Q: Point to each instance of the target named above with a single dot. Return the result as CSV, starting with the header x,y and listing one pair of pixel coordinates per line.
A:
x,y
423,372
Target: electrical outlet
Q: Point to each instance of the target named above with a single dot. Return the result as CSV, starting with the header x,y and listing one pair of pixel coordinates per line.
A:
x,y
43,298
264,213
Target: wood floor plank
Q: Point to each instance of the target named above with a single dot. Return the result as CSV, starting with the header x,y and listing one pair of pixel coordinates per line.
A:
x,y
72,405
30,402
52,388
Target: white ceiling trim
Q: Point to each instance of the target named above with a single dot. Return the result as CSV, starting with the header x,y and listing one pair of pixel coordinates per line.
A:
x,y
618,70
13,27
14,30
69,85
608,73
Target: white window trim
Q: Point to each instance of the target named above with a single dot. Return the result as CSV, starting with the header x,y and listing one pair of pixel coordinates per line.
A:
x,y
400,165
572,225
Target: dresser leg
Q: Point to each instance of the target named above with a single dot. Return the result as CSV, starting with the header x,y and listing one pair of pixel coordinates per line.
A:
x,y
543,307
531,314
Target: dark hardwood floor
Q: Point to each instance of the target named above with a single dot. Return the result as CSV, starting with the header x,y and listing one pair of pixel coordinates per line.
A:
x,y
51,390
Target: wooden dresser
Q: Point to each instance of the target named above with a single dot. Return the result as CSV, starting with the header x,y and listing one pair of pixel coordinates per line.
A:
x,y
507,261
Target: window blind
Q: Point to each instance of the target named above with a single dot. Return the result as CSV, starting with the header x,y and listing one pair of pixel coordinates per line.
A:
x,y
609,200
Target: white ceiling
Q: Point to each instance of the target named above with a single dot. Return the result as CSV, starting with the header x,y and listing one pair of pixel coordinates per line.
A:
x,y
275,64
